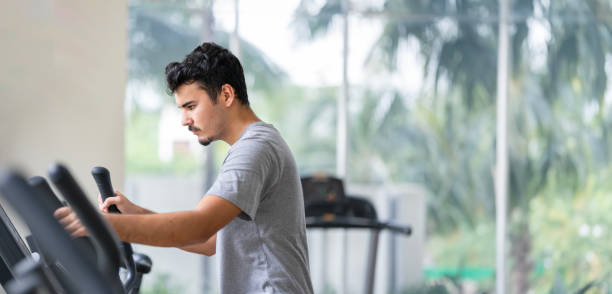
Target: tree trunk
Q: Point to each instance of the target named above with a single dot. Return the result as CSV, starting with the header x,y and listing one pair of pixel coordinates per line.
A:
x,y
520,248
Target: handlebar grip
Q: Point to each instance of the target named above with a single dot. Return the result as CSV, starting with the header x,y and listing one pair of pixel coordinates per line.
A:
x,y
103,181
398,228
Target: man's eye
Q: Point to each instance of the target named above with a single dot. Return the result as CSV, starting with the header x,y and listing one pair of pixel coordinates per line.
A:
x,y
190,107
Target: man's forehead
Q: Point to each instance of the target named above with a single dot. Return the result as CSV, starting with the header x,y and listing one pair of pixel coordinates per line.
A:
x,y
188,92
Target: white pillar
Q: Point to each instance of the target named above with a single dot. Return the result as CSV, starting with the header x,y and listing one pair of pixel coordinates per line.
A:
x,y
235,39
501,171
207,35
342,139
342,119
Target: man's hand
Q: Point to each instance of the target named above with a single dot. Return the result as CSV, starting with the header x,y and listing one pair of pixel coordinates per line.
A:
x,y
67,218
123,204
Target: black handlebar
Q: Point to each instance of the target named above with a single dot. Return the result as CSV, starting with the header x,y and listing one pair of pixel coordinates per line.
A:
x,y
43,188
103,181
355,222
50,200
397,228
58,243
105,187
109,256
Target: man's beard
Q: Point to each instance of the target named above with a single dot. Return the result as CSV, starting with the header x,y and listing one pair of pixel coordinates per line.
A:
x,y
203,142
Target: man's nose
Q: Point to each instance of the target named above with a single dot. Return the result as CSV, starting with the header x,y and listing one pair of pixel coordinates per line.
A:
x,y
186,120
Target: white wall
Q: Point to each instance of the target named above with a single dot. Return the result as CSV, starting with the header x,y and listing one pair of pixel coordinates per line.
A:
x,y
62,86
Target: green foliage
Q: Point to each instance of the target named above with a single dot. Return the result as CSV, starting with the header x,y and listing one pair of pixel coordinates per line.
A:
x,y
463,255
465,247
310,22
306,119
572,235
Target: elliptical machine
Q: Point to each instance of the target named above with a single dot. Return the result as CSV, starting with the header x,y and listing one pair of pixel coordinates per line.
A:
x,y
82,265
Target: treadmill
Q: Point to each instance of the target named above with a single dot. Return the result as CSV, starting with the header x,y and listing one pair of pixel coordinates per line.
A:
x,y
328,207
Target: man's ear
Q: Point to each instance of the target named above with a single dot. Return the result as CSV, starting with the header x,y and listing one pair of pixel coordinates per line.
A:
x,y
228,96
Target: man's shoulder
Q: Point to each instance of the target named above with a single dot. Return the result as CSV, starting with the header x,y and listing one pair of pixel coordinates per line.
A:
x,y
260,130
254,143
259,137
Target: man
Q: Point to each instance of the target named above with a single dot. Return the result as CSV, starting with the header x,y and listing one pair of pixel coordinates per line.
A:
x,y
253,215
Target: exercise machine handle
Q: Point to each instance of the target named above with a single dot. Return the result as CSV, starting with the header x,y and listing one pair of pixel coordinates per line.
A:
x,y
398,228
43,188
109,256
58,243
103,180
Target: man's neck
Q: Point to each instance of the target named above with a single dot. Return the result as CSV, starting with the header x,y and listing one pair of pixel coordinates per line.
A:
x,y
241,120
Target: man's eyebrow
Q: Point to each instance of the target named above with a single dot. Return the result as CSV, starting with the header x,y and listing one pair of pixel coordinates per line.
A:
x,y
186,104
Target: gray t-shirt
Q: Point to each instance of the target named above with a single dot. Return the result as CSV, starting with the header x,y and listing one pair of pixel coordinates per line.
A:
x,y
264,249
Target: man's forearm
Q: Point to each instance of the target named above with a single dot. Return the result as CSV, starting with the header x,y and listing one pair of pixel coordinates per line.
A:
x,y
207,248
173,229
145,211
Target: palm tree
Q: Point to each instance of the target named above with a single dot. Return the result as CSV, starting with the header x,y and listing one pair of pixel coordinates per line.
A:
x,y
155,42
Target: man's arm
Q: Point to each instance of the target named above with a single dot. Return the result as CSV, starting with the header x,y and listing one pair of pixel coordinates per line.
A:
x,y
190,229
176,229
208,248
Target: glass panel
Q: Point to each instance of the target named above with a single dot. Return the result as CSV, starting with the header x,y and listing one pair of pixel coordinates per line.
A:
x,y
422,77
422,139
164,164
559,146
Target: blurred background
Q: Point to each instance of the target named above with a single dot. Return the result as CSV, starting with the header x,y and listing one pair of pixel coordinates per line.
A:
x,y
397,97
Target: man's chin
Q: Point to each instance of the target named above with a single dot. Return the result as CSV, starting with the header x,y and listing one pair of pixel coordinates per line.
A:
x,y
205,142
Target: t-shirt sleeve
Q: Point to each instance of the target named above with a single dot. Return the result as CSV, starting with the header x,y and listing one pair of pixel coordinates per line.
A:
x,y
242,178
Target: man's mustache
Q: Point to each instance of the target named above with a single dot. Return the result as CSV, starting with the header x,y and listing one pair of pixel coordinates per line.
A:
x,y
192,128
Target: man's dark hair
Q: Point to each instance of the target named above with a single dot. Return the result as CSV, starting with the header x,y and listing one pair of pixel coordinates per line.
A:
x,y
211,66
